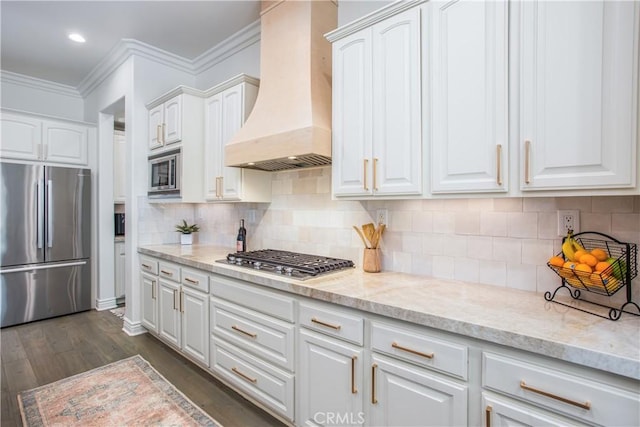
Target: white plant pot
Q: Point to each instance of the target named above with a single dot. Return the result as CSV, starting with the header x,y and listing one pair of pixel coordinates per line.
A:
x,y
186,239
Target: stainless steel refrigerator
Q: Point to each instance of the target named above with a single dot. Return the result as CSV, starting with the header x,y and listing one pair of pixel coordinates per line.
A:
x,y
45,215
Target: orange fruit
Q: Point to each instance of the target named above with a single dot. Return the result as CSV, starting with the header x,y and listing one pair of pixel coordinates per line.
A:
x,y
599,279
588,259
583,270
601,266
600,254
557,261
569,264
577,254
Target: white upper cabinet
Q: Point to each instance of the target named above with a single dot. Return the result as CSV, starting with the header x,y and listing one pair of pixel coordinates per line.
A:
x,y
165,123
469,132
377,139
578,94
53,141
226,109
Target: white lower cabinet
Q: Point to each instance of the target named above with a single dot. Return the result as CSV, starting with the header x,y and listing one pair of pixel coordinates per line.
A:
x,y
169,312
253,343
330,381
499,411
406,395
149,285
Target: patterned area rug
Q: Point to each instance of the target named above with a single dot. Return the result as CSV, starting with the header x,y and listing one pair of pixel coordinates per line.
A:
x,y
124,393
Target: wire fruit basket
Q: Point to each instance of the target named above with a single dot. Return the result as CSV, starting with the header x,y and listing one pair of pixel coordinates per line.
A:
x,y
621,270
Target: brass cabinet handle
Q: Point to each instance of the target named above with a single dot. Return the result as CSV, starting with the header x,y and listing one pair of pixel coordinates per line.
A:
x,y
181,301
218,187
585,405
147,266
499,164
366,166
412,351
375,174
153,289
328,325
221,187
527,161
252,335
487,413
195,282
246,377
168,273
374,400
158,136
174,299
354,390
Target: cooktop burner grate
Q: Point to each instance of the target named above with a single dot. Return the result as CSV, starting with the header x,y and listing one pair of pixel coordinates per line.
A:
x,y
297,265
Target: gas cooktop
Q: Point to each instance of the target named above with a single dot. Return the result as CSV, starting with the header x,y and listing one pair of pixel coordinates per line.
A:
x,y
287,264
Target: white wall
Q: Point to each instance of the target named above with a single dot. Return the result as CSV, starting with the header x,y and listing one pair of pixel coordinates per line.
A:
x,y
350,10
246,61
39,96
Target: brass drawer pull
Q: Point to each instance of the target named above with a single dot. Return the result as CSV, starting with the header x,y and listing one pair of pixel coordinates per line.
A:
x,y
499,164
195,282
246,377
586,405
181,302
235,328
328,325
487,413
168,273
374,400
354,390
147,266
409,350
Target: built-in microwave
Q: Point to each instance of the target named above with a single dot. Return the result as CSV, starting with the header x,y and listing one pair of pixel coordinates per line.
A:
x,y
164,174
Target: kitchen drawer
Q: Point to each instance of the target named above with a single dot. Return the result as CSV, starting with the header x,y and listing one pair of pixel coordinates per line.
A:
x,y
264,336
169,271
195,279
332,321
419,348
251,296
563,392
149,265
271,386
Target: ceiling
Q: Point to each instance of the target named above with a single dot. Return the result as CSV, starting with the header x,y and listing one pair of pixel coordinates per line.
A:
x,y
34,33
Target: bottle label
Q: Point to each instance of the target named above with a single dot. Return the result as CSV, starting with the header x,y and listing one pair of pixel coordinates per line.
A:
x,y
239,247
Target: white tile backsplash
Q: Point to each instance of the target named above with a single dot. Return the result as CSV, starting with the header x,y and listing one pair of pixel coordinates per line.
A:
x,y
496,241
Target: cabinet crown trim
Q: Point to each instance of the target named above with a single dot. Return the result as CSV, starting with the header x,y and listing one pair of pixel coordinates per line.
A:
x,y
234,81
371,19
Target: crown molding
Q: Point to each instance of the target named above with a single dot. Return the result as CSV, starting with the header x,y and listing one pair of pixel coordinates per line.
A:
x,y
38,84
228,47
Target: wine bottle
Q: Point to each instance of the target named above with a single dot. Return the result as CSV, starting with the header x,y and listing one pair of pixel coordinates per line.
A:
x,y
241,241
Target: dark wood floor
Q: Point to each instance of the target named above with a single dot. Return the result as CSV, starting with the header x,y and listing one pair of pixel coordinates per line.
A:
x,y
41,352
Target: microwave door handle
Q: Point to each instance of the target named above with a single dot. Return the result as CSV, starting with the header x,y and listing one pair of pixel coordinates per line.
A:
x,y
50,214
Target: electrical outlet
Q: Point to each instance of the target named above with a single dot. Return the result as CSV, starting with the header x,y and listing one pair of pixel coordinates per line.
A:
x,y
382,216
568,220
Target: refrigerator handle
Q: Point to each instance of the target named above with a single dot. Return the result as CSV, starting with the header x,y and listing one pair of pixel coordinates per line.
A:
x,y
40,210
50,213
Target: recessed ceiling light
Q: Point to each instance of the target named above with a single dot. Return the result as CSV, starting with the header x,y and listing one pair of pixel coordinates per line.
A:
x,y
250,164
76,38
292,157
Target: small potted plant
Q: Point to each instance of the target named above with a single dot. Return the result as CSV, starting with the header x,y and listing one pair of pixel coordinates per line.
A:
x,y
186,238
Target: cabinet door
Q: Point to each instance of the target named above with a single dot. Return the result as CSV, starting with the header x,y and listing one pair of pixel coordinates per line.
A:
x,y
169,312
173,120
579,88
397,117
65,143
21,137
232,119
156,119
469,85
213,147
501,412
119,172
119,273
149,302
404,395
352,127
331,381
195,324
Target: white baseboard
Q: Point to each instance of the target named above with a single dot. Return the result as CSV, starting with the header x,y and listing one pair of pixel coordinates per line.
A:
x,y
106,304
133,328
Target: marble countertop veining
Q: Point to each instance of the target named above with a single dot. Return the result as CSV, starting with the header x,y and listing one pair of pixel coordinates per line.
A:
x,y
518,319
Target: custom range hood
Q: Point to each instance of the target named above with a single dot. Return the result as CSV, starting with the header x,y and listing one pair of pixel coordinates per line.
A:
x,y
290,125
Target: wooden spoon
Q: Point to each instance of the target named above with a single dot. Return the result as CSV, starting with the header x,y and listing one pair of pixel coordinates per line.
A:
x,y
369,230
377,235
361,236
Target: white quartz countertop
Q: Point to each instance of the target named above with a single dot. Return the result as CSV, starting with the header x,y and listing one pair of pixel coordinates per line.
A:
x,y
518,319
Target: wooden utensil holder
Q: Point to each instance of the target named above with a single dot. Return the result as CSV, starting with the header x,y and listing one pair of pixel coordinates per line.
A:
x,y
371,260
